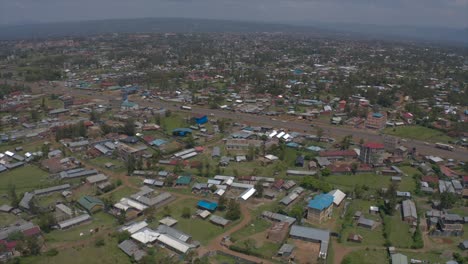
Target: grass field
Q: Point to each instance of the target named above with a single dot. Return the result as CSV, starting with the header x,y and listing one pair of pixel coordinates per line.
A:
x,y
419,133
172,122
119,166
254,227
370,256
6,219
374,181
107,254
201,230
25,178
100,220
399,231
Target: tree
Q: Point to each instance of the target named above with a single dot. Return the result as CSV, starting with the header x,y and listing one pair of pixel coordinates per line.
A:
x,y
46,222
121,217
150,214
94,116
129,127
12,195
354,167
122,236
131,164
186,212
297,212
34,116
233,212
259,188
222,203
447,200
346,142
325,172
319,133
166,211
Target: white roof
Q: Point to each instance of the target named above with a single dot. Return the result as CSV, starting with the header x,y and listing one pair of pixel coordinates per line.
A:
x,y
271,157
146,236
9,153
135,227
125,204
204,214
281,134
189,155
220,192
338,196
272,134
174,243
247,194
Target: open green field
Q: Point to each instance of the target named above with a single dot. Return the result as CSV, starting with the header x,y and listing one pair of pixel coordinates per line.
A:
x,y
399,231
120,192
6,219
100,220
256,226
119,166
47,200
370,256
370,237
26,178
107,254
432,257
419,133
172,122
374,181
201,230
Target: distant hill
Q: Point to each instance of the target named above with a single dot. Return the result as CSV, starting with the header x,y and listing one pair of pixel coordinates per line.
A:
x,y
186,25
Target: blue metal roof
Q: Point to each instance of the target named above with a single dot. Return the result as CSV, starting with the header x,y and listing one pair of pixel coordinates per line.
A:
x,y
377,115
207,205
321,201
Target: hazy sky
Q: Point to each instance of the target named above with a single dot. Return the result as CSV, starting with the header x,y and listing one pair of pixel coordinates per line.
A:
x,y
452,13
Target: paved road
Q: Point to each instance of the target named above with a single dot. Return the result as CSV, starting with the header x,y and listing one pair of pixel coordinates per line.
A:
x,y
294,125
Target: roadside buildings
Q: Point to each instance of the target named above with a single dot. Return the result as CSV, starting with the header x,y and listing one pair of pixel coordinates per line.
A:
x,y
320,208
372,153
376,120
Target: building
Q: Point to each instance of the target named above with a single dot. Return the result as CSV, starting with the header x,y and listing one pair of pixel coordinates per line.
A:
x,y
372,153
242,144
320,208
132,249
312,235
338,196
366,223
278,217
390,143
218,220
90,203
399,258
74,221
376,120
206,205
285,250
201,119
278,232
409,213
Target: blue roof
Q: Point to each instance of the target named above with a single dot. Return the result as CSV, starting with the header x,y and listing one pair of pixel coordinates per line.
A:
x,y
207,205
314,148
293,145
158,142
377,115
186,130
321,201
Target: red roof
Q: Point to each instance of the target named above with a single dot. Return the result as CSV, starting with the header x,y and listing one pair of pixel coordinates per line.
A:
x,y
428,178
408,115
338,153
447,171
88,123
465,178
199,149
340,168
148,138
374,145
278,183
8,245
32,231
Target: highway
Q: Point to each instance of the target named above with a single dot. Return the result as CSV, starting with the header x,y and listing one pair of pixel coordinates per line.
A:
x,y
460,154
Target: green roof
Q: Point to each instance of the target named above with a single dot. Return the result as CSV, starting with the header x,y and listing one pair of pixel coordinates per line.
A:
x,y
89,202
184,180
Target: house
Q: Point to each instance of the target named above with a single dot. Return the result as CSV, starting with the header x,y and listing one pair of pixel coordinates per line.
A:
x,y
206,205
338,196
376,120
74,221
63,212
96,179
183,180
278,217
355,238
320,208
201,119
172,232
216,153
181,132
278,232
463,245
168,221
312,235
285,250
132,249
366,223
410,215
218,220
90,203
299,161
26,200
372,153
242,144
399,258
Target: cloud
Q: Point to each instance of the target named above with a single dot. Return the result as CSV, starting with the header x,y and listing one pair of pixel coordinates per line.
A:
x,y
384,12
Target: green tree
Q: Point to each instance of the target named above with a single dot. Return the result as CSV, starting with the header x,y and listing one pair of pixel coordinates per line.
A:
x,y
46,221
131,164
259,188
13,195
297,212
129,127
186,212
233,210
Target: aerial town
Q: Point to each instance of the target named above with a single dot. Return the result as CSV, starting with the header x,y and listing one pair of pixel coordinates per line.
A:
x,y
232,148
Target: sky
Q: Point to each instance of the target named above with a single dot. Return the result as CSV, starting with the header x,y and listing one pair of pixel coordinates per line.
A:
x,y
430,13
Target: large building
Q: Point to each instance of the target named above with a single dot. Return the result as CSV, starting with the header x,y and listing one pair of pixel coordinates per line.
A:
x,y
372,153
312,235
376,120
320,208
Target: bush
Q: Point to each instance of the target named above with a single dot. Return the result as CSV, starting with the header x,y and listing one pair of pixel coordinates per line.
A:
x,y
52,252
99,242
